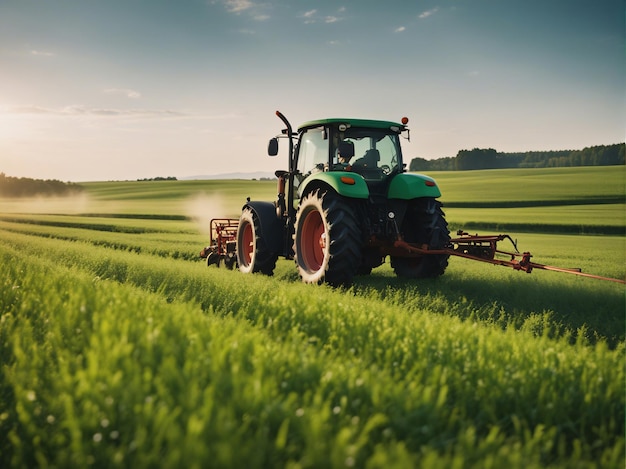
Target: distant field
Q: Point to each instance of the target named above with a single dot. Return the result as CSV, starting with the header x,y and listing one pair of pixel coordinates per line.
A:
x,y
589,200
119,347
574,219
580,185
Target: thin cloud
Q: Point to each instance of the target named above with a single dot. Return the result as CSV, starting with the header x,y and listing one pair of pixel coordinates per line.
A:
x,y
309,16
42,53
400,29
255,10
79,110
132,94
428,13
237,6
28,110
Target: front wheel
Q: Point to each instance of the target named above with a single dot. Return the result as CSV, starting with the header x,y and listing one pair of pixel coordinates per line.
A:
x,y
253,254
326,240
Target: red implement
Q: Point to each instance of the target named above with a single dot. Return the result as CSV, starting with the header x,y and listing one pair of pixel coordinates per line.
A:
x,y
484,248
223,241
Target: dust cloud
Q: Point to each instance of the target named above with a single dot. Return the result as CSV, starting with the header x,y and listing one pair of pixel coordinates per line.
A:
x,y
202,207
66,205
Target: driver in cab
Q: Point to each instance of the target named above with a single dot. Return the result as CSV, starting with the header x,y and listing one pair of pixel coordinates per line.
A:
x,y
345,152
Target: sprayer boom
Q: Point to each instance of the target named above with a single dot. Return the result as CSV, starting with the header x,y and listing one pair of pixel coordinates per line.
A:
x,y
484,248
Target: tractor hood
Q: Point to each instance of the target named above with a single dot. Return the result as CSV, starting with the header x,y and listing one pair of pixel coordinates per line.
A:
x,y
411,186
344,183
403,186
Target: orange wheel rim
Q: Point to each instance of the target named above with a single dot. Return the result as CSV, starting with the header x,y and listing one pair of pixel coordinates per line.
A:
x,y
247,241
313,241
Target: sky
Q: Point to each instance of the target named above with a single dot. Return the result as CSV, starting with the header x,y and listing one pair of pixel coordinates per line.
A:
x,y
94,90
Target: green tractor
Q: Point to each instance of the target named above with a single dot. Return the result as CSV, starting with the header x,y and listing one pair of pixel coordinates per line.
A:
x,y
344,204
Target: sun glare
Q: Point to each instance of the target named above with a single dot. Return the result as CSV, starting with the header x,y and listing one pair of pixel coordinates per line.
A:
x,y
12,126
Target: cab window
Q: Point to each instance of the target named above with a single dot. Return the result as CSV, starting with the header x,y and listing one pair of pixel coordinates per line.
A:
x,y
313,151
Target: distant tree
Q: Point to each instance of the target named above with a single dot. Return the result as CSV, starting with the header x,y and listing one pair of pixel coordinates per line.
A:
x,y
420,164
443,164
26,187
159,178
477,158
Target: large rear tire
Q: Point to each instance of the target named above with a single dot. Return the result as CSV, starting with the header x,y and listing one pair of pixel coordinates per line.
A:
x,y
252,252
326,240
424,223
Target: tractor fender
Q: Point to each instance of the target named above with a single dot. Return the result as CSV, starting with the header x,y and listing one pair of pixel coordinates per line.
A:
x,y
344,183
407,186
269,222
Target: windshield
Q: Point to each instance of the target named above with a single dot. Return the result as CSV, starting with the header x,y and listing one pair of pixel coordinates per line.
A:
x,y
376,152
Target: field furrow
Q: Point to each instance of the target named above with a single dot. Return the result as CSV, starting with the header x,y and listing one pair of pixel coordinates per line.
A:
x,y
467,290
162,243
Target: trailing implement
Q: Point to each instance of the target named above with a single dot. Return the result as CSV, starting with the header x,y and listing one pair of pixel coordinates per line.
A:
x,y
223,243
345,203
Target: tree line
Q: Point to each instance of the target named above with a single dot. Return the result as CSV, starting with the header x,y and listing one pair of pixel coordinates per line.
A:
x,y
159,178
27,187
488,158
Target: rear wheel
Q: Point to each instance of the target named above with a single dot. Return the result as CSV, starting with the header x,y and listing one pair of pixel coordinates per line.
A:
x,y
326,240
252,252
424,223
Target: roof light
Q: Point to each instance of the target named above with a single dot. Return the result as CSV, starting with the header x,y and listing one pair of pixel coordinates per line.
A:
x,y
405,120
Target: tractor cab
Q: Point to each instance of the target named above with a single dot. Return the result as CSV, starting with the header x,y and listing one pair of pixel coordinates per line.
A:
x,y
365,147
343,152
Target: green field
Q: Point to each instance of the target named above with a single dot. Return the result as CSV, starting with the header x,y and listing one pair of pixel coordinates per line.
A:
x,y
119,347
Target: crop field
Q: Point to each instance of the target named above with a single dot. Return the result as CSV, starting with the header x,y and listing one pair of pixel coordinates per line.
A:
x,y
120,348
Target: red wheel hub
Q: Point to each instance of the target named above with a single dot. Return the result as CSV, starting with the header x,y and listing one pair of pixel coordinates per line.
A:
x,y
247,239
313,241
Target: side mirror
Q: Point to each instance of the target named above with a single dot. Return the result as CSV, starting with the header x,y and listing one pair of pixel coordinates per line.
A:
x,y
272,147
